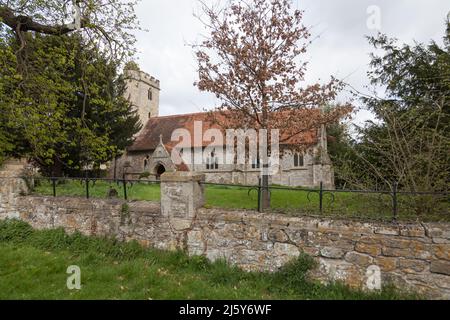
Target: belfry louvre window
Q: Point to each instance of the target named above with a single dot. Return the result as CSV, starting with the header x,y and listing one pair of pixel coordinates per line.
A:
x,y
299,160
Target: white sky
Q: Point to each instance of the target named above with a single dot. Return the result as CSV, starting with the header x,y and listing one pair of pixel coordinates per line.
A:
x,y
341,50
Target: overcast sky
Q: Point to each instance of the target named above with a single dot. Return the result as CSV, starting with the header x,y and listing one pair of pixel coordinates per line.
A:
x,y
340,49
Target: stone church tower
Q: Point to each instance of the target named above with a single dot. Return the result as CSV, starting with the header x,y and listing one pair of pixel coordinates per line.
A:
x,y
143,93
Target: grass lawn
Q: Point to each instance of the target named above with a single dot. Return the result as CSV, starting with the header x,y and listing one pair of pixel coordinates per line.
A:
x,y
292,202
33,265
99,189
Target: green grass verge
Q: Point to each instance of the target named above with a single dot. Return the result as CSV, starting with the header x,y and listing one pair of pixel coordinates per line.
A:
x,y
99,189
291,202
33,265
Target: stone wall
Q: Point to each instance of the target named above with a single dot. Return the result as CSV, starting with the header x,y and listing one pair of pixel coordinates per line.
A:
x,y
412,256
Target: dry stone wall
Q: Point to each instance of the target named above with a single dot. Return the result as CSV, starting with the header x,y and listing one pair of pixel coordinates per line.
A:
x,y
362,254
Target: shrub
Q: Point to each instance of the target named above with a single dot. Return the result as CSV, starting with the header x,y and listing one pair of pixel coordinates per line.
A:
x,y
144,175
294,274
14,231
222,273
55,239
17,231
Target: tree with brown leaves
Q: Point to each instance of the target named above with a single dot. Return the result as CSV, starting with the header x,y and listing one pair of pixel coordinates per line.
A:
x,y
251,61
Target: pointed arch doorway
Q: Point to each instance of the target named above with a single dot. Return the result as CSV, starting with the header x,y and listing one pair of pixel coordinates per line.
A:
x,y
159,170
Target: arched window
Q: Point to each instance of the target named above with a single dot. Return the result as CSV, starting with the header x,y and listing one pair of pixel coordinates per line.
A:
x,y
256,164
212,162
298,160
146,163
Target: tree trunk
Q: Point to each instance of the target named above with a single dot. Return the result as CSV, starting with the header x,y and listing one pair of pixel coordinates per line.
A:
x,y
57,168
265,193
115,168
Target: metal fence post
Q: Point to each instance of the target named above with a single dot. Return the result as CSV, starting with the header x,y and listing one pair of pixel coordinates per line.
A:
x,y
259,195
321,197
124,188
87,188
394,200
54,187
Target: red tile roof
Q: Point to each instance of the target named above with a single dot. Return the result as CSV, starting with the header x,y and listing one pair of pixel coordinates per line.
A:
x,y
164,126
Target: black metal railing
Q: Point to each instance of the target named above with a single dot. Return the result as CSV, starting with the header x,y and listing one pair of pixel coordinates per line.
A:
x,y
127,189
375,204
390,205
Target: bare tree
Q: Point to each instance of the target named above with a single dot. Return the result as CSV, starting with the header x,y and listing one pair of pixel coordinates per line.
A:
x,y
104,23
408,147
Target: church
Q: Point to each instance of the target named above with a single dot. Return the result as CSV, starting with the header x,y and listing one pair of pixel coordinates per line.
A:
x,y
150,155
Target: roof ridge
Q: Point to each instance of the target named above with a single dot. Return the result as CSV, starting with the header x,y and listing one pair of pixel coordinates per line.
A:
x,y
180,115
205,112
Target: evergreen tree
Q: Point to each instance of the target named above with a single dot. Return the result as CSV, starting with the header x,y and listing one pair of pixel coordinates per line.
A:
x,y
409,141
66,109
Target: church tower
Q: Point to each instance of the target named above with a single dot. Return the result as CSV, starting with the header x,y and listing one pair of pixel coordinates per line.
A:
x,y
143,93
